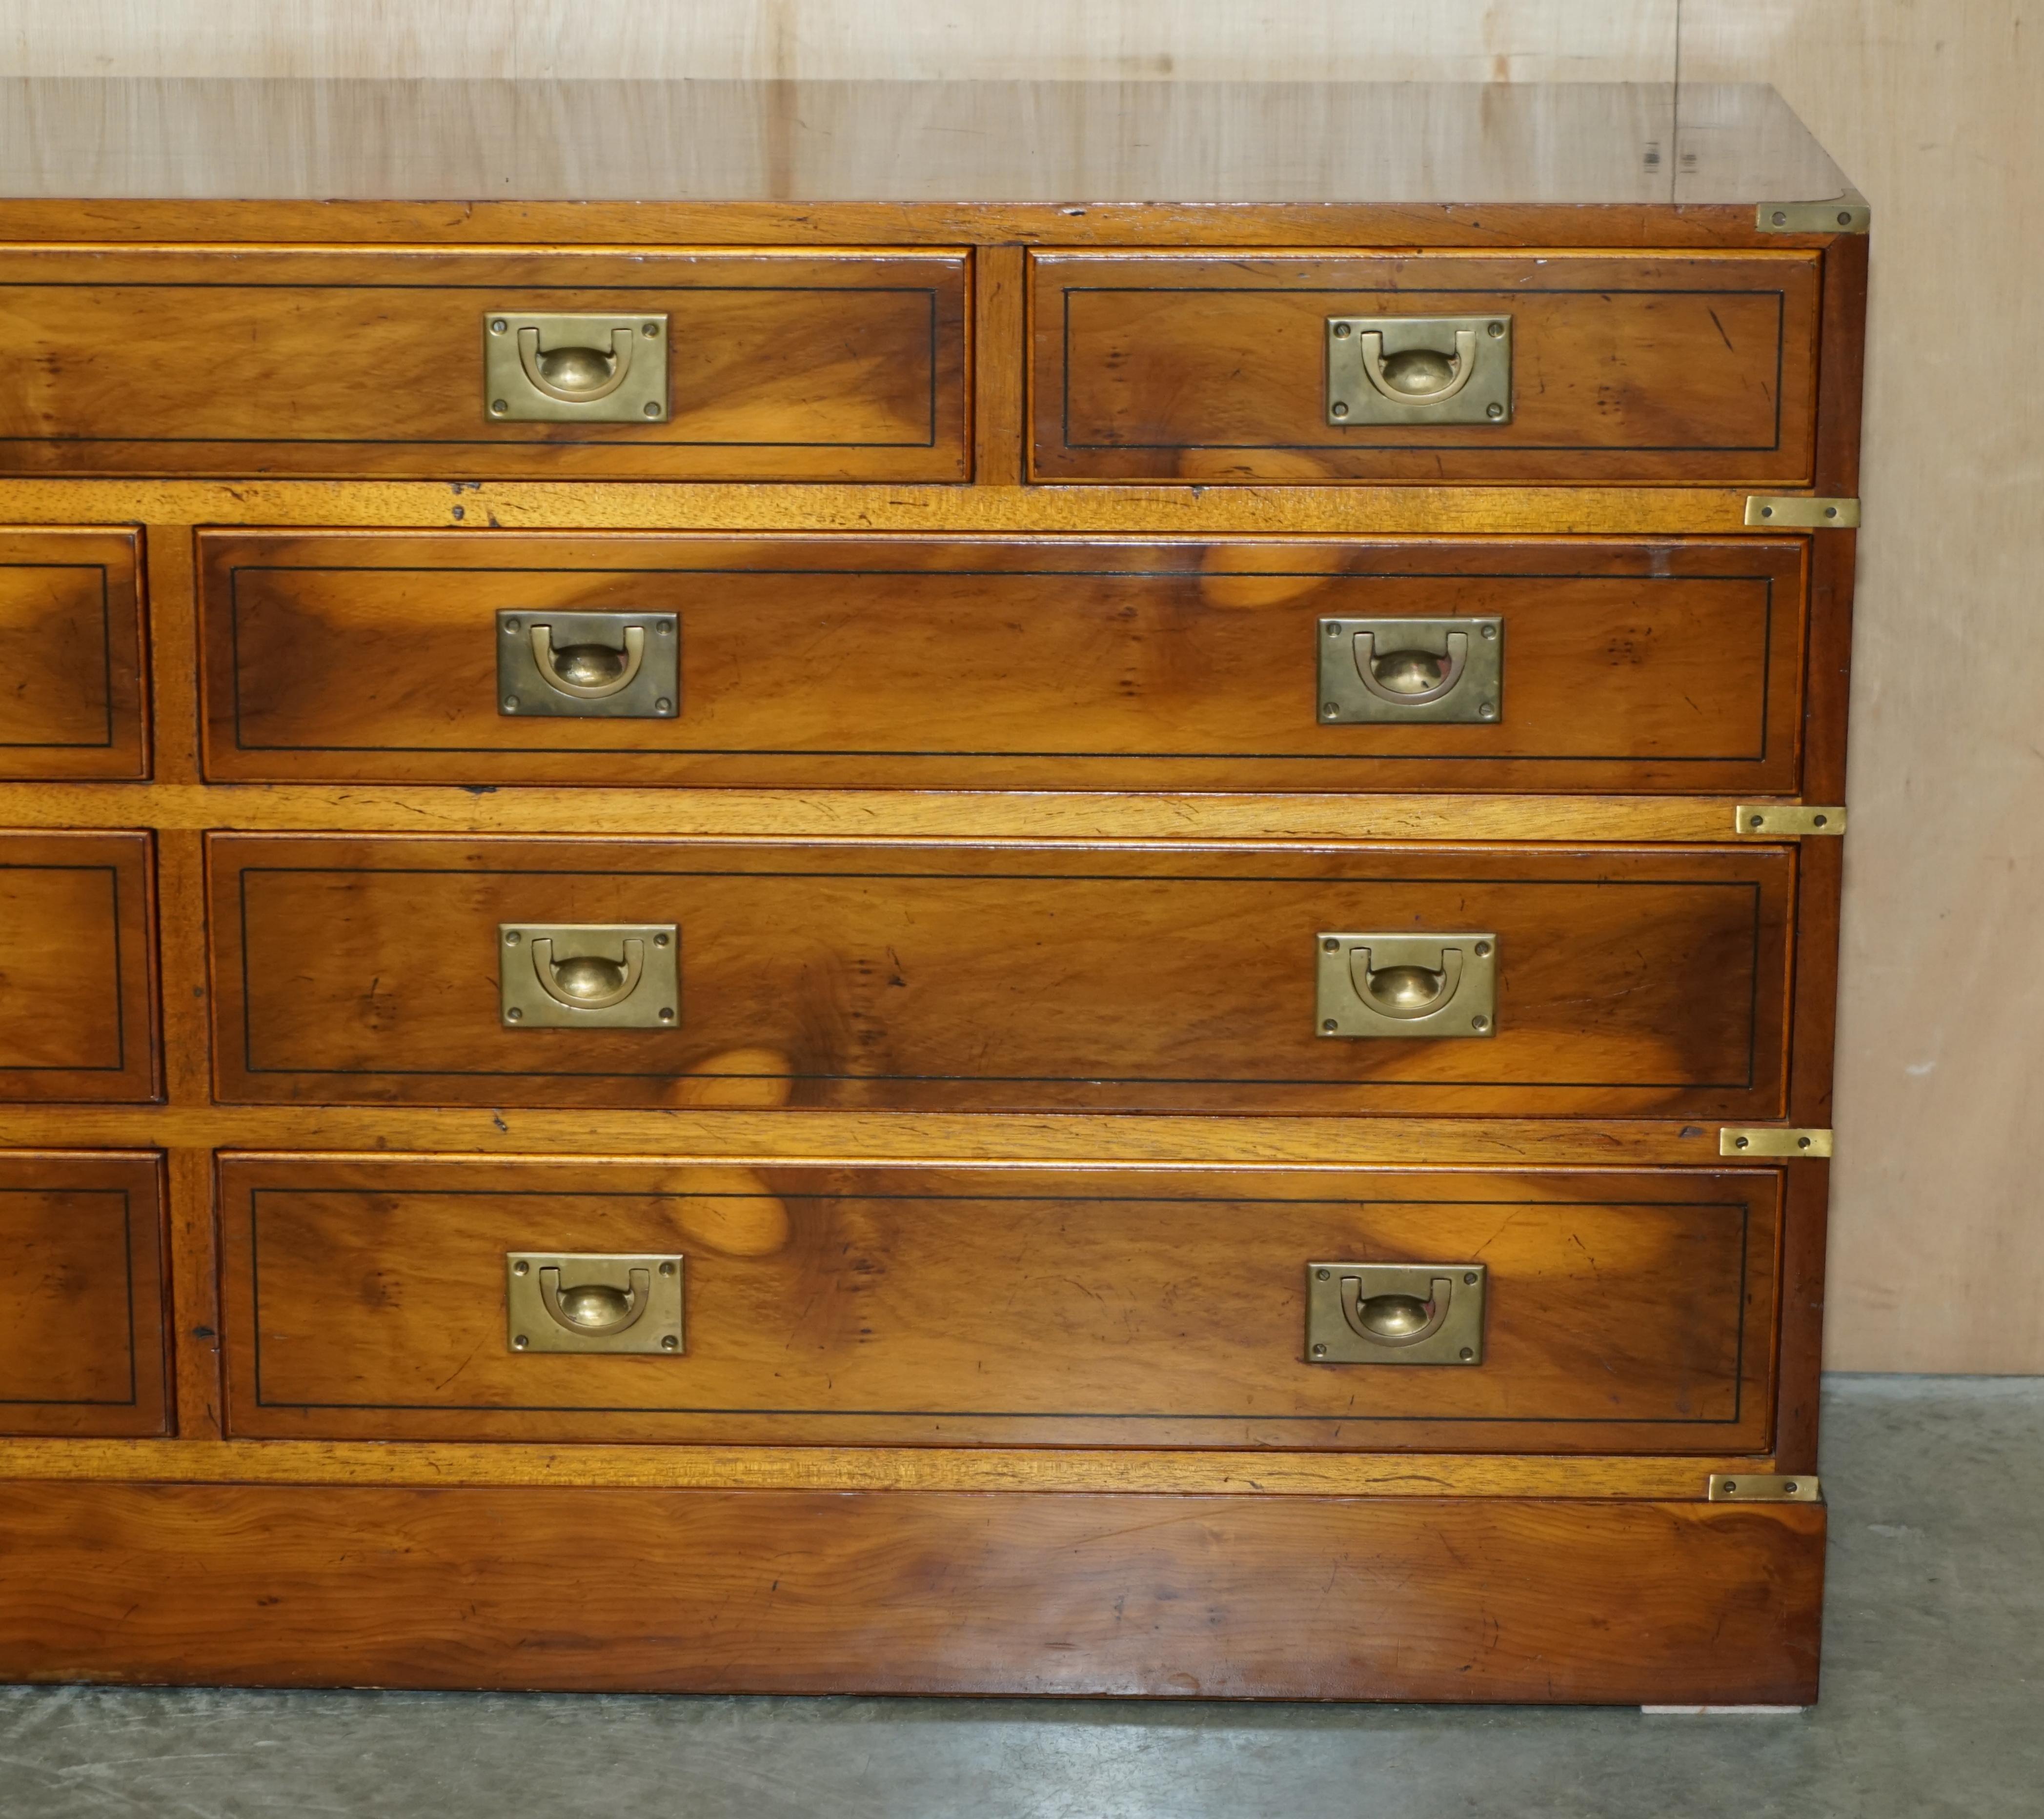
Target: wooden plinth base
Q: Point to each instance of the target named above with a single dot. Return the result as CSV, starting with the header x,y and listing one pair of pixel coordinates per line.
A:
x,y
1469,1599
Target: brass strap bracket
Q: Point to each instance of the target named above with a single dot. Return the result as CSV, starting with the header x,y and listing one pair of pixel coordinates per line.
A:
x,y
1836,217
1800,511
1780,820
1760,1488
1755,1140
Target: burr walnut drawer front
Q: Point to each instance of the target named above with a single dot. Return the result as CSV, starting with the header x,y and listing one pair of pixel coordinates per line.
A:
x,y
1520,367
81,1347
70,654
571,971
667,364
383,1298
76,1001
1420,663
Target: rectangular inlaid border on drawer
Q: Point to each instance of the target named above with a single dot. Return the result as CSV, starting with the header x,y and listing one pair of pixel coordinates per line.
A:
x,y
381,354
990,977
41,654
82,1308
833,660
91,981
965,1304
1185,385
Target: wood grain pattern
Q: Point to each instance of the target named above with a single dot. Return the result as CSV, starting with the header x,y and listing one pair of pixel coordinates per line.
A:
x,y
1622,1312
807,367
1024,664
1000,424
878,815
77,929
1246,1597
1045,1470
1504,225
71,653
82,1349
194,1294
1152,366
997,978
752,1126
1092,509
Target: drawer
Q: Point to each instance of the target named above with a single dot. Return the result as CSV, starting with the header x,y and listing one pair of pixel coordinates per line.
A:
x,y
937,976
881,663
83,1349
77,1002
370,1297
1690,367
70,654
762,365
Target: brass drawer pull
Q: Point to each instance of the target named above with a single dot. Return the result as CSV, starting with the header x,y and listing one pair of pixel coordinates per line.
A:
x,y
1418,376
1418,369
1439,671
1429,985
1408,678
1395,1313
596,1307
582,975
1395,1318
589,672
557,1301
597,665
576,375
574,369
1406,991
588,981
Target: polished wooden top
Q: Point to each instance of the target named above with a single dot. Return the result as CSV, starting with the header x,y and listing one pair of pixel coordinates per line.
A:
x,y
964,142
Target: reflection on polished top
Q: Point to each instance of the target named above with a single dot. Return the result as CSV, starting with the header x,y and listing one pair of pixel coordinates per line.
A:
x,y
964,142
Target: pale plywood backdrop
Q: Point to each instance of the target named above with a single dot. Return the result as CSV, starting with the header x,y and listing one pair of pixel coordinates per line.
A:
x,y
1937,1218
1376,40
1938,1222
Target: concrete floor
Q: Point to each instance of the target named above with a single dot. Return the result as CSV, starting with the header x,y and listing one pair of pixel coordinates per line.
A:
x,y
1933,1705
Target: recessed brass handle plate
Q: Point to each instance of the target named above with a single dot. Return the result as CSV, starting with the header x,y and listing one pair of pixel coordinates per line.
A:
x,y
574,369
1408,986
1395,1313
589,666
571,1301
1419,369
1436,671
589,976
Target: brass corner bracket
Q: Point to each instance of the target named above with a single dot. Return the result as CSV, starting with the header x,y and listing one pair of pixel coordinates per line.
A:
x,y
1764,1488
1836,217
1759,1140
1801,511
1781,820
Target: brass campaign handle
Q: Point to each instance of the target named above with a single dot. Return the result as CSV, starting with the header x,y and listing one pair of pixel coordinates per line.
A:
x,y
588,981
575,375
1395,1319
596,1307
1405,992
1411,678
589,672
1417,375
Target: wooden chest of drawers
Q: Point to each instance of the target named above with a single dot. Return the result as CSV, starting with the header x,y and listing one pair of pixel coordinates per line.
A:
x,y
1071,942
